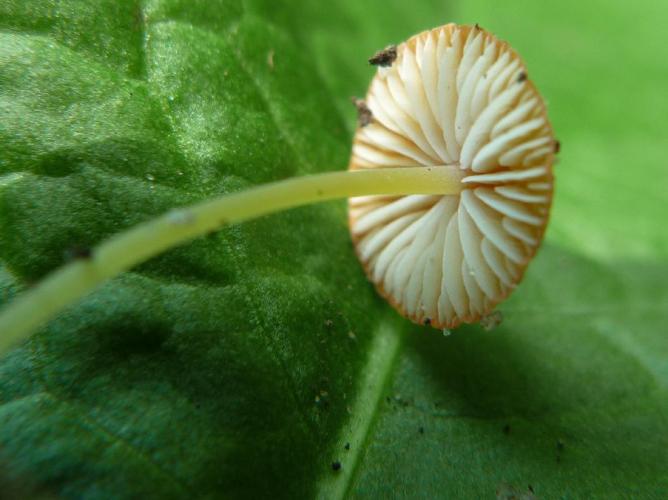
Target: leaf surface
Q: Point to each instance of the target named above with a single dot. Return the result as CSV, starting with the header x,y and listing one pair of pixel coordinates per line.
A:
x,y
240,365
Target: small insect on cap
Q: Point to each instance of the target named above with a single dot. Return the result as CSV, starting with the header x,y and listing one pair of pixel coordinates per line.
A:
x,y
455,95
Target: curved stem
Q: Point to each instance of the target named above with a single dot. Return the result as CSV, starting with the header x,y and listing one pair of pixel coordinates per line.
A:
x,y
129,248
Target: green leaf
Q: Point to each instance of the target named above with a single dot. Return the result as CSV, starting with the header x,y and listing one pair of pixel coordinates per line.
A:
x,y
568,395
241,365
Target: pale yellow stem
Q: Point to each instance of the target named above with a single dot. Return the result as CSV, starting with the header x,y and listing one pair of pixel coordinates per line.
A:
x,y
129,248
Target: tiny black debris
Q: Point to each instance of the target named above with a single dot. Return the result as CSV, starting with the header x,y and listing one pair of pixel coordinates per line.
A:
x,y
77,252
384,57
322,400
364,114
557,147
560,449
347,446
336,465
522,77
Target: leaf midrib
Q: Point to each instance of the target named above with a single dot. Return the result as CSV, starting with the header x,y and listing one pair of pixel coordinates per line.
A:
x,y
356,432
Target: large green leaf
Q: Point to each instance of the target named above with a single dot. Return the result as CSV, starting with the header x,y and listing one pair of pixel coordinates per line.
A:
x,y
570,395
240,365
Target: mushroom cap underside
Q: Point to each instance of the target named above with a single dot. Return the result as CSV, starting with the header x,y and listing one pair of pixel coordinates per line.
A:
x,y
454,95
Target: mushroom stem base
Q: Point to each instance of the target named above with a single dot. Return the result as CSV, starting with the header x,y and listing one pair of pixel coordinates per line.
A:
x,y
133,246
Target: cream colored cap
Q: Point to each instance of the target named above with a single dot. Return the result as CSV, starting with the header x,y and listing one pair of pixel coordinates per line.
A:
x,y
455,95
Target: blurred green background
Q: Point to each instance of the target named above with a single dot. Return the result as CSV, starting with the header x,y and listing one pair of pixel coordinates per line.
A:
x,y
602,67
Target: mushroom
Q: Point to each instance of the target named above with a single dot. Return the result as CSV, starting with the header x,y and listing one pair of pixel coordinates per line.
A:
x,y
455,95
450,185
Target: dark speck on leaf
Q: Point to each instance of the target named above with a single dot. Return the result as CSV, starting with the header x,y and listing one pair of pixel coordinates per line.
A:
x,y
522,77
364,115
77,252
336,466
347,446
421,430
322,400
560,450
384,57
557,147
